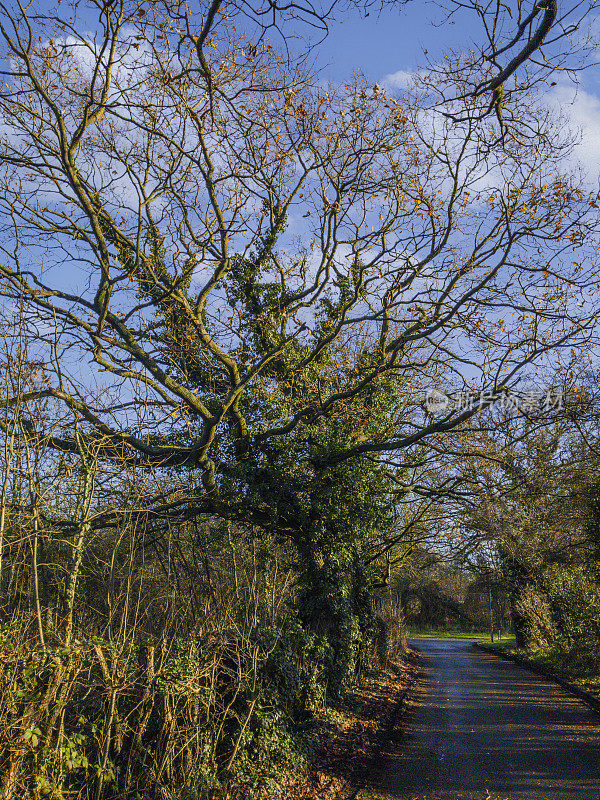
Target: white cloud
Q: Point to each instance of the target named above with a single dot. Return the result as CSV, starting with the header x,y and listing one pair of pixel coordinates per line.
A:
x,y
402,79
581,111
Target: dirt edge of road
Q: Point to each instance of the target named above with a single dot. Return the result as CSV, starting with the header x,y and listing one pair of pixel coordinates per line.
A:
x,y
338,767
390,721
373,711
589,699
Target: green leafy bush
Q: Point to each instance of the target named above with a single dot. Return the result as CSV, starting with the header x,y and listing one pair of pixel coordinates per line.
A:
x,y
575,606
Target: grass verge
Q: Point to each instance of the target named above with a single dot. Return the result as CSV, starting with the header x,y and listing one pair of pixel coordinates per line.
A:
x,y
577,671
503,639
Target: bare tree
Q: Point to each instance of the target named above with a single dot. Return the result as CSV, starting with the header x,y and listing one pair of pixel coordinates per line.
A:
x,y
165,175
263,276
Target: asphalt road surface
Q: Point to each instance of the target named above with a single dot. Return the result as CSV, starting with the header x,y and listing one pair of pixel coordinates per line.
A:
x,y
481,728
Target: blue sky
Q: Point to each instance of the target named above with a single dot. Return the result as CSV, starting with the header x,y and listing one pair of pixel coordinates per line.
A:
x,y
392,40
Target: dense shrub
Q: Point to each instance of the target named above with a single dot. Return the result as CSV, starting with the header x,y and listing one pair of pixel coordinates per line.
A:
x,y
575,606
218,712
532,618
98,718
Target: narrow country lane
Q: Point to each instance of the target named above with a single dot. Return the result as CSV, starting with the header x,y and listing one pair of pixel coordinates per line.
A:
x,y
485,729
